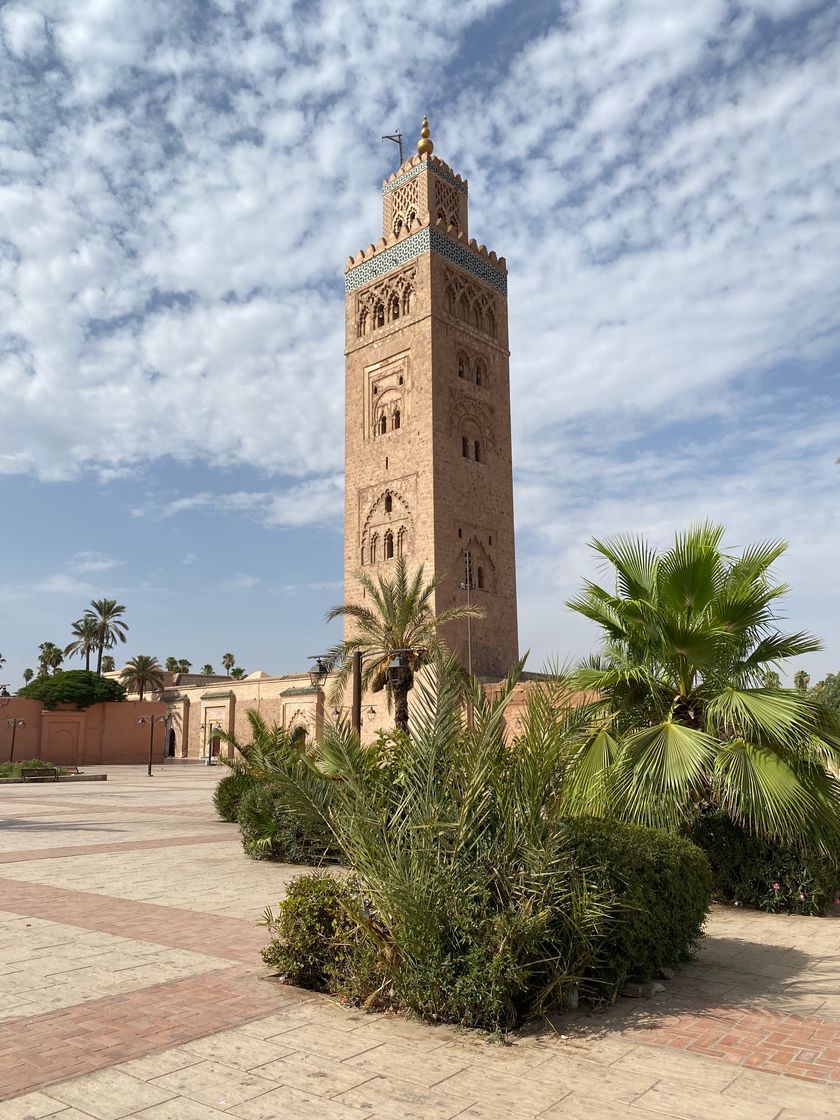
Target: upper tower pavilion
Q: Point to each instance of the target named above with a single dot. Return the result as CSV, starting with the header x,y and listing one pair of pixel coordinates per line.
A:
x,y
427,424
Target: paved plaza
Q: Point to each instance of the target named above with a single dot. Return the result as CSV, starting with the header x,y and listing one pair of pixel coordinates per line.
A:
x,y
132,987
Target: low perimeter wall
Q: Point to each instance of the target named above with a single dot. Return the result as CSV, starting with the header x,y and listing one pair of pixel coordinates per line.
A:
x,y
102,735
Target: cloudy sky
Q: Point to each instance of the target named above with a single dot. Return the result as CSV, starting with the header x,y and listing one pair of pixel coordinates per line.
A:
x,y
180,182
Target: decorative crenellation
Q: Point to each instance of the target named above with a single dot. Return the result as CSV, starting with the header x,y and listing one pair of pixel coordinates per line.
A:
x,y
384,303
417,165
471,304
375,261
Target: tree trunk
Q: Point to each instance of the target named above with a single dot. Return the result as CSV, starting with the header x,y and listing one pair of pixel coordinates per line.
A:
x,y
401,707
87,659
142,689
99,660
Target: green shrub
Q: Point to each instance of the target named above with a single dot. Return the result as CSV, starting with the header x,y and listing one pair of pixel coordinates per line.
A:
x,y
74,686
228,793
271,830
661,885
752,871
13,769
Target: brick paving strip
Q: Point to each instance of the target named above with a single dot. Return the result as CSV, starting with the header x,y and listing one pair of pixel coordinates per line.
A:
x,y
803,1046
64,852
42,1049
232,939
89,806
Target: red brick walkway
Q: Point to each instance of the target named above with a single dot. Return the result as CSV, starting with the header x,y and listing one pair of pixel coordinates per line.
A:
x,y
43,1049
230,938
67,850
793,1045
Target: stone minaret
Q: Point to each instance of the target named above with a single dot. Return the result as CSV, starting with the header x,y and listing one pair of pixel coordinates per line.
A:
x,y
427,424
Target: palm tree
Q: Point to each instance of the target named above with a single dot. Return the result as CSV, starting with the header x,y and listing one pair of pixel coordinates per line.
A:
x,y
237,674
208,670
110,628
228,661
50,657
85,639
184,665
2,660
108,664
400,617
801,680
172,664
683,717
142,672
27,676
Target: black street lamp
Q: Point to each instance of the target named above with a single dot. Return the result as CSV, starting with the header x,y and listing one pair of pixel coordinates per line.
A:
x,y
319,671
399,667
151,720
14,724
4,696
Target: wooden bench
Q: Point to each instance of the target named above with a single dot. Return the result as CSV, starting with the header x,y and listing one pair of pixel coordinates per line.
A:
x,y
39,773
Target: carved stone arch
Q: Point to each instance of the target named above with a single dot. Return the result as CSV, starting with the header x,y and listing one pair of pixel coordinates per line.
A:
x,y
481,559
474,418
388,405
382,525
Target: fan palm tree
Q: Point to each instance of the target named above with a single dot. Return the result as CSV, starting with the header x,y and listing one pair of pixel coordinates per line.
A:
x,y
400,617
85,639
171,665
207,670
108,663
50,657
184,665
141,673
27,676
238,673
110,627
228,661
683,716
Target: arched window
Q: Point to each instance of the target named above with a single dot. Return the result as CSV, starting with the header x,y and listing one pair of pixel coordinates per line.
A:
x,y
478,374
476,316
389,545
450,300
401,541
490,324
383,424
374,548
395,423
464,309
465,447
480,579
410,216
408,299
389,502
441,213
398,224
462,366
379,315
477,451
395,308
363,323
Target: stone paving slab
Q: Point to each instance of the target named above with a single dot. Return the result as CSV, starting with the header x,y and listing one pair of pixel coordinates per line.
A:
x,y
153,947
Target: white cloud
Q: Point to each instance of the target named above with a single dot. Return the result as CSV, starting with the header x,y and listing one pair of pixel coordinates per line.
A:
x,y
312,502
92,562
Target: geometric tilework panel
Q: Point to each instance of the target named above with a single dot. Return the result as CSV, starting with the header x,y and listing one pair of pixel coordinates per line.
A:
x,y
422,242
437,170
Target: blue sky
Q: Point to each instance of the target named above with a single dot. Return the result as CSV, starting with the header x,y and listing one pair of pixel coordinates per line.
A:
x,y
180,184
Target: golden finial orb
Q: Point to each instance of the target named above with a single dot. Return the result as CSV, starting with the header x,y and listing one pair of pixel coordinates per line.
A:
x,y
425,147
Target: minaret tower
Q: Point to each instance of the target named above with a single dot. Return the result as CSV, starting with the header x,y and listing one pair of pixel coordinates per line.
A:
x,y
427,425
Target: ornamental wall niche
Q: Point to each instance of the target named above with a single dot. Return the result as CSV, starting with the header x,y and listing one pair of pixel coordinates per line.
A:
x,y
387,395
468,416
387,301
387,531
470,303
483,565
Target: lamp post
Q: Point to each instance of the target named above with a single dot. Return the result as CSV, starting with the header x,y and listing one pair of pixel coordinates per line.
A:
x,y
319,671
14,724
399,668
4,696
151,720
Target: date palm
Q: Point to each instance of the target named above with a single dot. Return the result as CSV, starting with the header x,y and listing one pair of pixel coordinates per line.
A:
x,y
85,632
237,674
50,657
110,626
228,662
184,665
208,670
108,663
171,665
683,716
27,676
141,673
397,614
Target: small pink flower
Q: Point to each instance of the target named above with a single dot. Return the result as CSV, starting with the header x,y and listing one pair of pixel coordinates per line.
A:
x,y
837,900
801,894
777,886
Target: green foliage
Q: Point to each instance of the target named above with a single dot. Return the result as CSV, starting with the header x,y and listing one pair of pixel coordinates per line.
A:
x,y
228,793
661,885
681,716
827,692
471,901
142,672
752,871
270,830
13,769
75,686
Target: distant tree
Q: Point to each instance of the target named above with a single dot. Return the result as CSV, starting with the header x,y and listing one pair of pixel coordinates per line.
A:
x,y
3,660
142,672
171,665
85,632
50,657
108,664
184,665
228,661
110,627
801,680
208,670
237,674
827,691
76,686
27,675
771,680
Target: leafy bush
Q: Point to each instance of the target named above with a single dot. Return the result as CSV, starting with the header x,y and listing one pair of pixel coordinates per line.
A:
x,y
661,885
271,830
13,769
228,793
75,686
757,872
471,901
